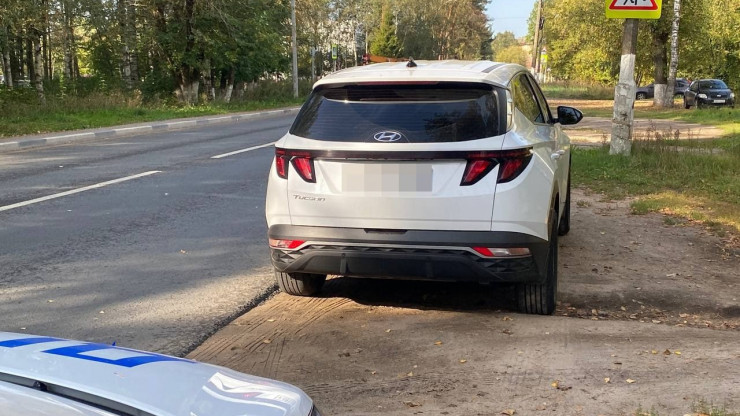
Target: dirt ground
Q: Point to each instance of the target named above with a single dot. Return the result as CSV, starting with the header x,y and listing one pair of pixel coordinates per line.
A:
x,y
648,318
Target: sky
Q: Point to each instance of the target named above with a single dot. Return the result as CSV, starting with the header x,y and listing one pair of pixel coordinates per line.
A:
x,y
510,15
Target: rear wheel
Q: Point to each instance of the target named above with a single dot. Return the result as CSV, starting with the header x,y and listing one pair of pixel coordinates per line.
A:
x,y
641,96
300,284
686,103
540,298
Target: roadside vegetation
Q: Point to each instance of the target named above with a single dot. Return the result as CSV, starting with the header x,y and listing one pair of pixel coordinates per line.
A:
x,y
23,114
692,180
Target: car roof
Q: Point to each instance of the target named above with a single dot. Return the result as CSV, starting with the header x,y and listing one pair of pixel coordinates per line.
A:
x,y
495,73
138,382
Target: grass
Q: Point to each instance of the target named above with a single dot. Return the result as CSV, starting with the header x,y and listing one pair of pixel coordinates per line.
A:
x,y
570,90
725,118
698,180
699,408
23,114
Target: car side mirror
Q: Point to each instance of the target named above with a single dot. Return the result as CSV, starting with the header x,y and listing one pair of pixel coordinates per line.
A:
x,y
568,115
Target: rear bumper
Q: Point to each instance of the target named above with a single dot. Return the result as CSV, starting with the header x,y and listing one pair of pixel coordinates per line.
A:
x,y
412,254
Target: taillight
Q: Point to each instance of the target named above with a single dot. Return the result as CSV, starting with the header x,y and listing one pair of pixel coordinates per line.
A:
x,y
501,252
475,170
304,167
281,164
289,244
511,164
301,160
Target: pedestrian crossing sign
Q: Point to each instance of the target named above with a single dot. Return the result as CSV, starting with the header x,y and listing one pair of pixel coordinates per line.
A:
x,y
633,9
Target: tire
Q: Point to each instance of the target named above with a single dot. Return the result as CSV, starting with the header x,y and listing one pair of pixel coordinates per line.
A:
x,y
540,298
564,225
300,284
641,96
686,103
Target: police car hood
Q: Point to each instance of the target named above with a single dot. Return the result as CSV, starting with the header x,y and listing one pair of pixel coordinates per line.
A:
x,y
103,377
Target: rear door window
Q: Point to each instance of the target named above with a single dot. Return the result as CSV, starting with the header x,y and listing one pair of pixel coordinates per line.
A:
x,y
525,100
420,113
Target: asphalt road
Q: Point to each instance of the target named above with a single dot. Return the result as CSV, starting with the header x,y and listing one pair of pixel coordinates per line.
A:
x,y
156,261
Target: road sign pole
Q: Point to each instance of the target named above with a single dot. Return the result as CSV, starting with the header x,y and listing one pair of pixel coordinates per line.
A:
x,y
295,49
624,93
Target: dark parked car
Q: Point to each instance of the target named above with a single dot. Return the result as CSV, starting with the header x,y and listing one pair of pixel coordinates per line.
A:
x,y
648,91
706,92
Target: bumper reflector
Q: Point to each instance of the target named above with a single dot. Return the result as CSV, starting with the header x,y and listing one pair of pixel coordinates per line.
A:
x,y
289,244
501,252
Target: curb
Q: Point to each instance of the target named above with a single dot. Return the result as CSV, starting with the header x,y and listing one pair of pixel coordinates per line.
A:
x,y
133,130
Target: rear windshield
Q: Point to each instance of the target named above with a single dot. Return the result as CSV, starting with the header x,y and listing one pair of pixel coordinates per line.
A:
x,y
421,113
712,84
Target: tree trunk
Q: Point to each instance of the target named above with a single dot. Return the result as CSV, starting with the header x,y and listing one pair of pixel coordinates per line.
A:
x,y
673,68
16,57
229,86
624,93
189,75
7,64
71,66
38,64
659,62
131,39
125,55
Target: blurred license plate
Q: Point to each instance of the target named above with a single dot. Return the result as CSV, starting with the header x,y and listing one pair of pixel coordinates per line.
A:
x,y
719,101
387,177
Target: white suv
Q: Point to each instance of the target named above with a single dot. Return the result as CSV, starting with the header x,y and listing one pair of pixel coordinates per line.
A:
x,y
438,170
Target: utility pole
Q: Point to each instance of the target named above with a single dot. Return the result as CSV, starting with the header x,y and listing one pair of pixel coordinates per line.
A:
x,y
624,93
295,50
537,34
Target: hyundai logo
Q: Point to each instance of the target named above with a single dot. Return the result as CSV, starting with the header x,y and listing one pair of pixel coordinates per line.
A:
x,y
388,136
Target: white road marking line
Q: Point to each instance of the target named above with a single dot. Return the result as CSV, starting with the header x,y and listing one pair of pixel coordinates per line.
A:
x,y
243,150
78,190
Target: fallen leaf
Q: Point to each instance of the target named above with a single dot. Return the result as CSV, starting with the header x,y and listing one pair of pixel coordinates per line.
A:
x,y
653,352
463,361
655,321
411,374
102,311
671,275
667,352
387,330
506,331
677,352
555,384
267,341
509,412
412,404
607,380
50,300
183,252
506,318
630,381
623,308
684,315
438,343
373,372
270,320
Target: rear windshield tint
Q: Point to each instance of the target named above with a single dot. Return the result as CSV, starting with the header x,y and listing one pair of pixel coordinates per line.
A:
x,y
449,112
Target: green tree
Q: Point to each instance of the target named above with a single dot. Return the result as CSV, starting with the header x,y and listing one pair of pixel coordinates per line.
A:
x,y
502,41
513,54
385,42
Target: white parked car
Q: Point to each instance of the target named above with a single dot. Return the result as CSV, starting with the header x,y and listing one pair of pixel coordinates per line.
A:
x,y
438,170
42,376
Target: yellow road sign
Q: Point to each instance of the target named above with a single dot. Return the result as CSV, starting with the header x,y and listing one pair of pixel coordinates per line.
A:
x,y
633,9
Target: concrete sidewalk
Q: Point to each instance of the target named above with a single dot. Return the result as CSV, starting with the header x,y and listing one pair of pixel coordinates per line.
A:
x,y
51,139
